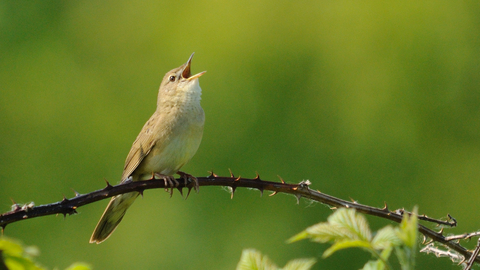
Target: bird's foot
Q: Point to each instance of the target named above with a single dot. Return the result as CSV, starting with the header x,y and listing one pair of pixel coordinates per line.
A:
x,y
170,181
187,176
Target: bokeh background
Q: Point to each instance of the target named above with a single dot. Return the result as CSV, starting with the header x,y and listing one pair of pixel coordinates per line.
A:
x,y
375,101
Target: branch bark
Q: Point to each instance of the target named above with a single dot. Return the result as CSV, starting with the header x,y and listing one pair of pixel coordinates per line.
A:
x,y
69,206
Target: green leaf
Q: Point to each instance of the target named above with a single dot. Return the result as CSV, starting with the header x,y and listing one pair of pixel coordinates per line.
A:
x,y
407,233
10,247
16,257
374,265
354,224
407,230
344,224
324,232
254,260
300,264
386,253
346,244
300,236
385,237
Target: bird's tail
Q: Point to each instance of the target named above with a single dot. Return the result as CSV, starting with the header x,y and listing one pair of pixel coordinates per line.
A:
x,y
112,216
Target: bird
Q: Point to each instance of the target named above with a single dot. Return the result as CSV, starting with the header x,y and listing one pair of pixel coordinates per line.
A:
x,y
167,141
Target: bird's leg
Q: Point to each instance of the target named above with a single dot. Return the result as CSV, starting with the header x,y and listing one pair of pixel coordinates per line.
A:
x,y
187,176
170,181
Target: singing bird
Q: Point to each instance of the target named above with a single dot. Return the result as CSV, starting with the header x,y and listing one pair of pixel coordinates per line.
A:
x,y
166,142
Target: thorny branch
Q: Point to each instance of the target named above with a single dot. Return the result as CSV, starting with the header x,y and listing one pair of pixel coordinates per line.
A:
x,y
69,206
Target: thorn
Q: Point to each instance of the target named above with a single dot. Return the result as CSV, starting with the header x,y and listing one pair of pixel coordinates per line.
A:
x,y
231,173
239,177
281,179
257,177
141,193
424,240
76,193
3,228
15,206
212,174
108,184
232,192
441,231
261,192
274,193
429,242
64,200
353,201
385,207
298,196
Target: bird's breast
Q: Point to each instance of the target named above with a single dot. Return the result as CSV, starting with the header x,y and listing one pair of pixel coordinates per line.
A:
x,y
179,132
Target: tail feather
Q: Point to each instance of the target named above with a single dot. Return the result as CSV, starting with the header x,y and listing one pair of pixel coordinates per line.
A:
x,y
112,216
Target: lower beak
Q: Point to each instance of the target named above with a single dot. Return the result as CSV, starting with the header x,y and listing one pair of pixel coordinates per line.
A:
x,y
196,76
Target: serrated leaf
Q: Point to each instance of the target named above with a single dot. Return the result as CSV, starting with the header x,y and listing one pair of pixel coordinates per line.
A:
x,y
300,236
300,264
254,260
324,232
350,221
344,224
385,238
346,244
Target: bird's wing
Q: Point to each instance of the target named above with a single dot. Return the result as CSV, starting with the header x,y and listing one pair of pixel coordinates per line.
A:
x,y
140,147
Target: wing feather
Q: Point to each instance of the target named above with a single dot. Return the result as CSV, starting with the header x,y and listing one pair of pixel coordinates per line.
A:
x,y
140,147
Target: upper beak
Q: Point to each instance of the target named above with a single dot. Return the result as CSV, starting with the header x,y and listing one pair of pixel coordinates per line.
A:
x,y
186,71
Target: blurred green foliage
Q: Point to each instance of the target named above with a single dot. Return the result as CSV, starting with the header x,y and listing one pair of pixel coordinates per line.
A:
x,y
377,101
15,256
348,229
254,260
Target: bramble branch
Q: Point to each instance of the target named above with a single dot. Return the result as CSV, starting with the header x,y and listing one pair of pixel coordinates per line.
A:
x,y
69,206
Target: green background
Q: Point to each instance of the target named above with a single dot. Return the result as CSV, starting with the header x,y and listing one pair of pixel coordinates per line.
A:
x,y
377,101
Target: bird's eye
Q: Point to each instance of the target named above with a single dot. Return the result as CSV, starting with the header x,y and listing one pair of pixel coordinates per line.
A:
x,y
172,78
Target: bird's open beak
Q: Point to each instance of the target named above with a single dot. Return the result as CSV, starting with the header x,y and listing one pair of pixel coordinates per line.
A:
x,y
186,71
